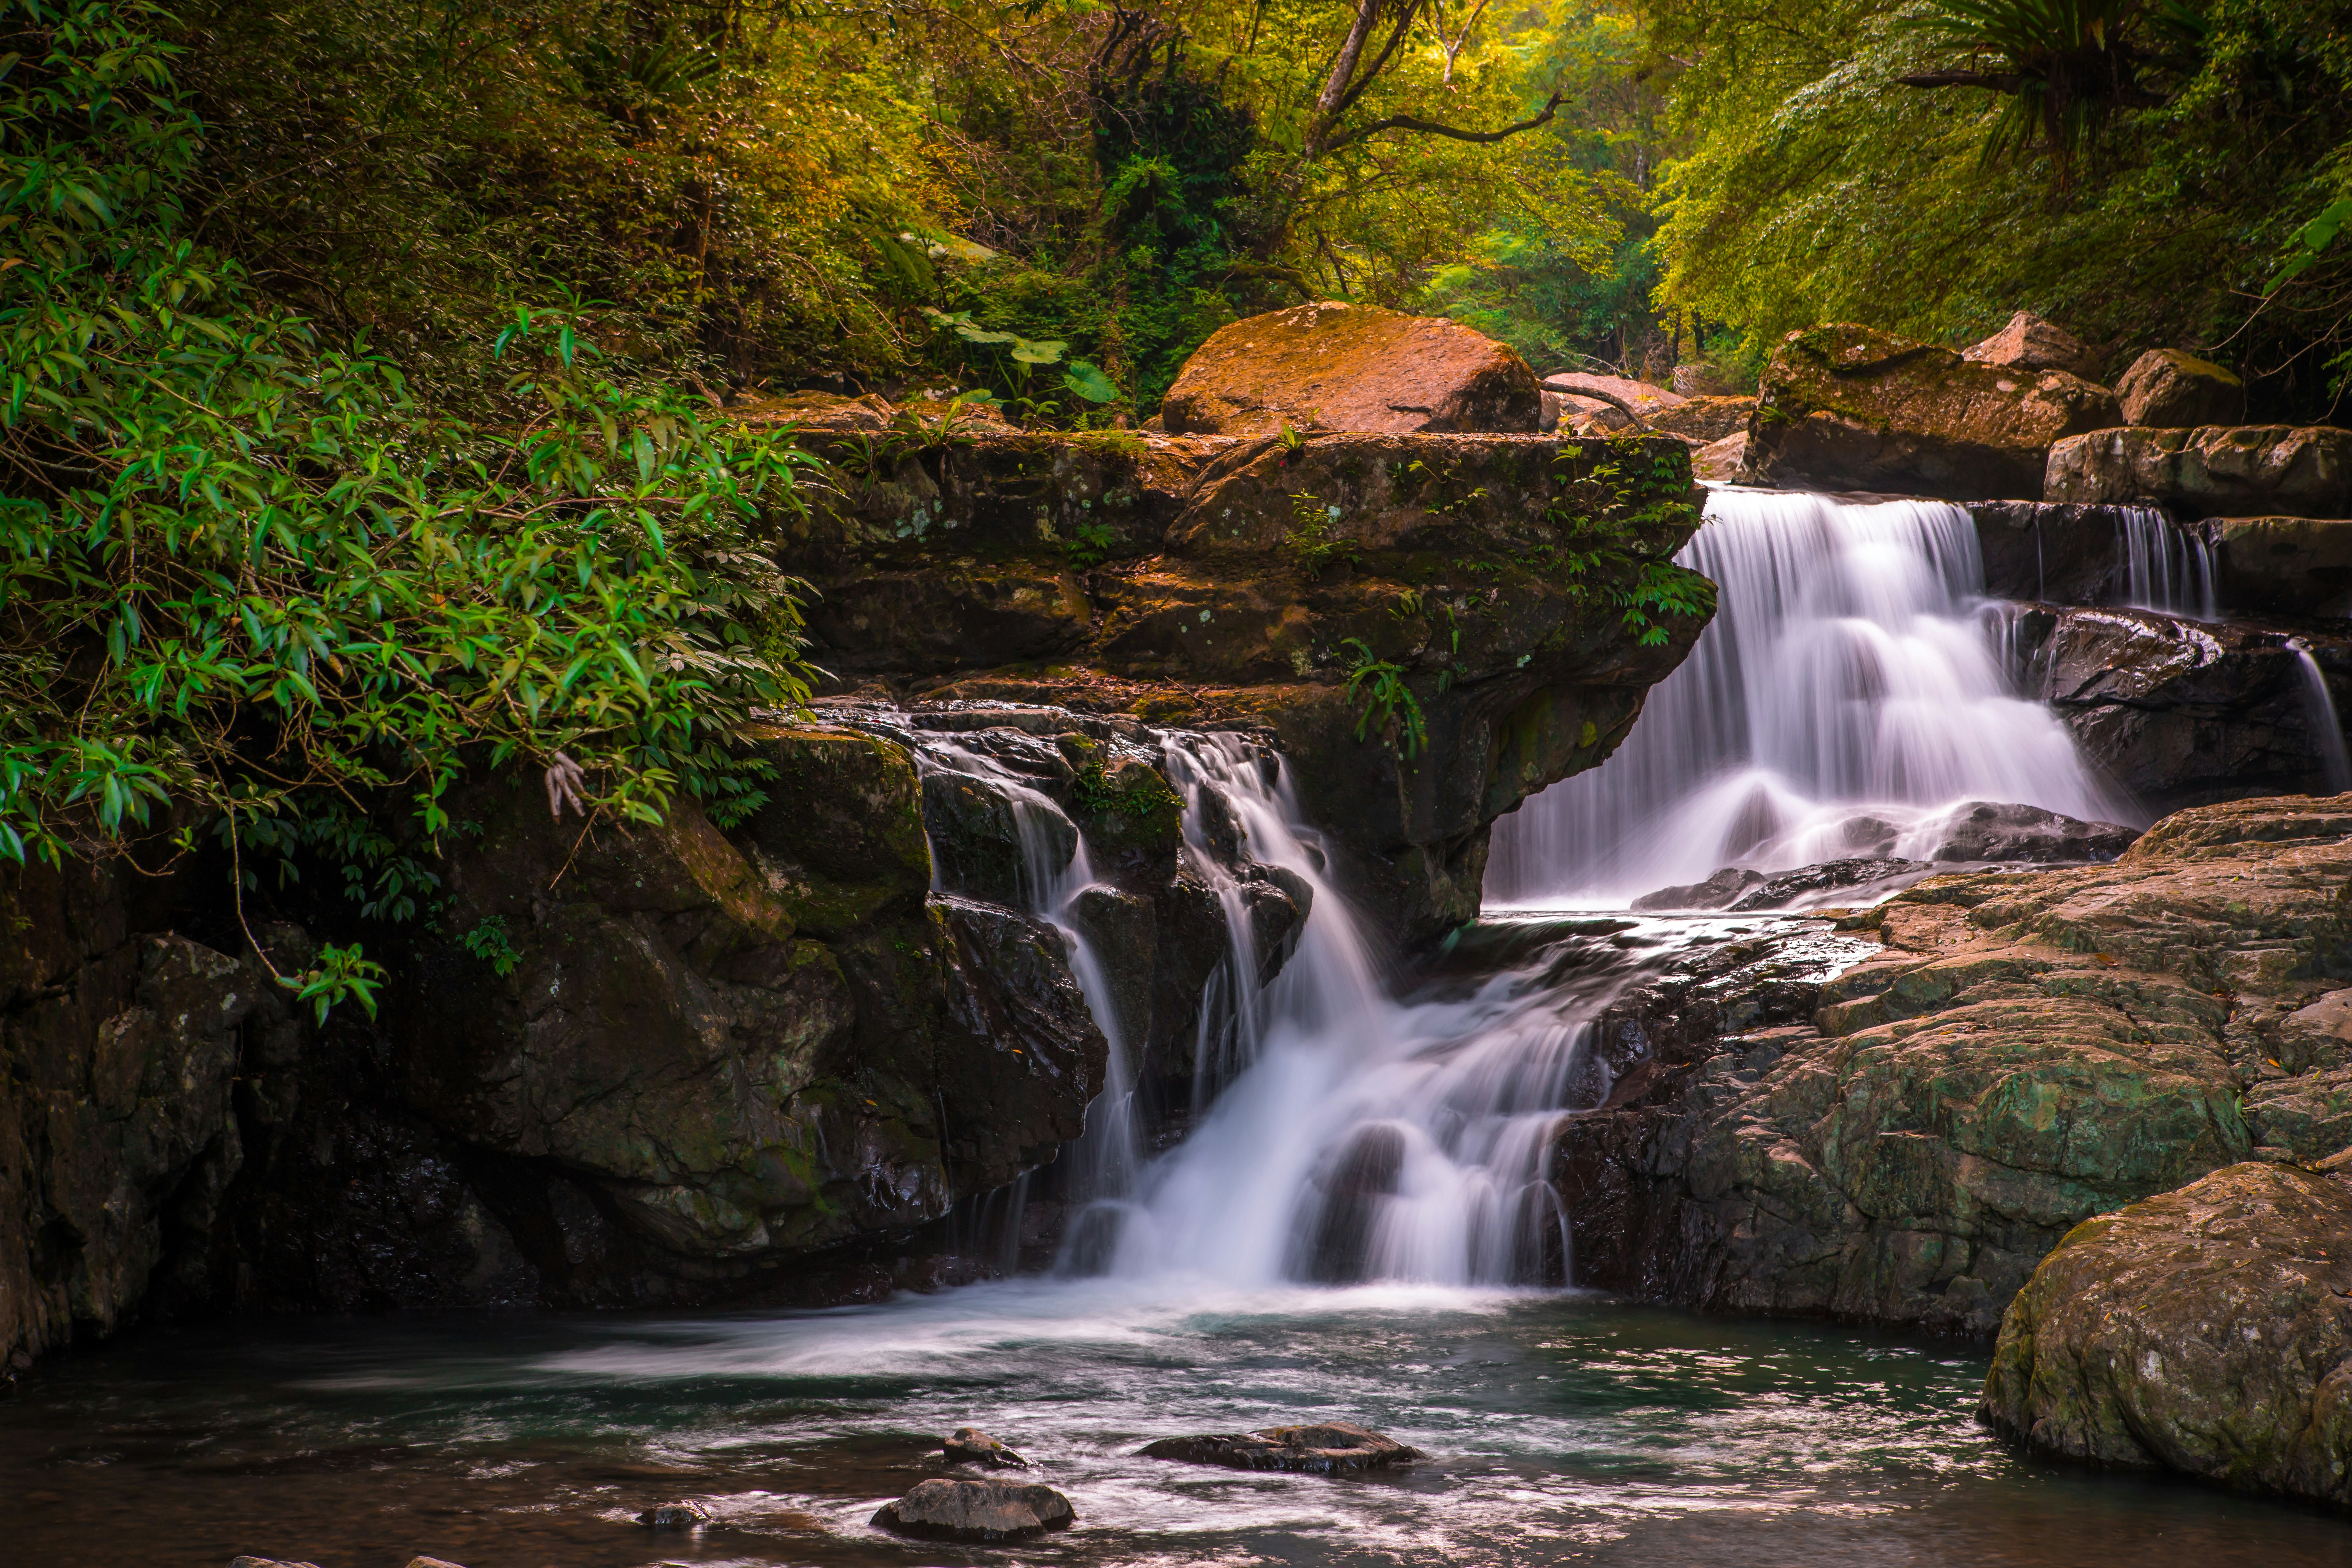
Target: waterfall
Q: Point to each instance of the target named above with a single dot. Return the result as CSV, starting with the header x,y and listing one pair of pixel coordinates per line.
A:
x,y
1845,695
2163,567
2326,727
1363,1137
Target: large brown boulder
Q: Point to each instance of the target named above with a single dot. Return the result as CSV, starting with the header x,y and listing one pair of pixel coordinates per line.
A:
x,y
2204,1331
2171,390
2030,343
1333,366
2215,470
1850,408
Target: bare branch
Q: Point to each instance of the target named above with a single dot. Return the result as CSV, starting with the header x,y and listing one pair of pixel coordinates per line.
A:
x,y
1411,122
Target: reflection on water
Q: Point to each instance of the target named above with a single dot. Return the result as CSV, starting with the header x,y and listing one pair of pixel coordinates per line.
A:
x,y
1562,1430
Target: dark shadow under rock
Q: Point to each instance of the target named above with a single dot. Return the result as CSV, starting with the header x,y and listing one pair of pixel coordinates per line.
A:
x,y
1331,1447
984,1512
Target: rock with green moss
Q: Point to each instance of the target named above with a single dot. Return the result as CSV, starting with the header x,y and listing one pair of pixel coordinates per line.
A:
x,y
1849,408
2023,1051
2207,1330
2212,470
2168,389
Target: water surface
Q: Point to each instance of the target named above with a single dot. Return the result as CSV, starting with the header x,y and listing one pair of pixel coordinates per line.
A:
x,y
1562,1428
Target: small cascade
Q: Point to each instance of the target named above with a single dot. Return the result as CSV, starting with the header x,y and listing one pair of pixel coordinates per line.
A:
x,y
2164,568
1846,697
2327,726
1360,1137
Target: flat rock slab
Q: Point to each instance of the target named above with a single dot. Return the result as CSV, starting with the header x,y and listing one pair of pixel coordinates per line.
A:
x,y
1331,1447
989,1511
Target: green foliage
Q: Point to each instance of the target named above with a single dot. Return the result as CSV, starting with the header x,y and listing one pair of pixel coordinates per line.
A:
x,y
246,578
1310,540
488,942
1390,706
340,974
1090,544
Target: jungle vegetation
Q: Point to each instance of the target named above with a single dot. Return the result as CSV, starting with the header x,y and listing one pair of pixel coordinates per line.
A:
x,y
369,359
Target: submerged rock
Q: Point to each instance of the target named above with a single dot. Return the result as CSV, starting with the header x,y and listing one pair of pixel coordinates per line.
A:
x,y
986,1512
1334,366
2207,1330
675,1515
971,1446
1849,408
2171,390
1331,1447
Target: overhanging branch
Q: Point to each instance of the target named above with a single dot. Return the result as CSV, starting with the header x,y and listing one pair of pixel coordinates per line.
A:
x,y
1431,127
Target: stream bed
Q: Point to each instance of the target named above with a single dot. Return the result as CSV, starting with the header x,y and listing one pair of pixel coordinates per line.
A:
x,y
1561,1426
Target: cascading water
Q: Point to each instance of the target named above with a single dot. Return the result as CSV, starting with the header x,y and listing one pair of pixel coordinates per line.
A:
x,y
1844,698
2163,567
1363,1138
2326,725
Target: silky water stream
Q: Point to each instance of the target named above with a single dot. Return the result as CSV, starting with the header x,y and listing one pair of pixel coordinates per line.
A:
x,y
1356,1227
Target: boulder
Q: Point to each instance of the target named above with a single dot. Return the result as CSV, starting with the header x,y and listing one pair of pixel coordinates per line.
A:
x,y
1638,398
1987,831
1333,366
986,1512
1330,1448
2178,712
2213,471
825,412
1849,408
2166,389
2284,565
971,1446
1721,460
432,1562
2030,344
1703,419
1902,1140
2075,554
2205,1330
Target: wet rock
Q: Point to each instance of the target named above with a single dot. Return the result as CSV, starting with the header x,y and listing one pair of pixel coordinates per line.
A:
x,y
2181,713
2285,565
1716,892
987,1511
1805,887
675,1515
2213,471
841,843
2066,553
991,842
2028,343
2168,389
2026,1050
432,1562
971,1446
2205,1330
117,1127
1985,830
1330,1448
1848,408
266,1563
1333,366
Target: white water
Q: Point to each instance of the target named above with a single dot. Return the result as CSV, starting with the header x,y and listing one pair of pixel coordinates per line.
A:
x,y
2164,568
1848,684
2326,725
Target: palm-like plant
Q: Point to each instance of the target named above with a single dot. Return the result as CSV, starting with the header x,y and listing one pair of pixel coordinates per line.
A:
x,y
2065,66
